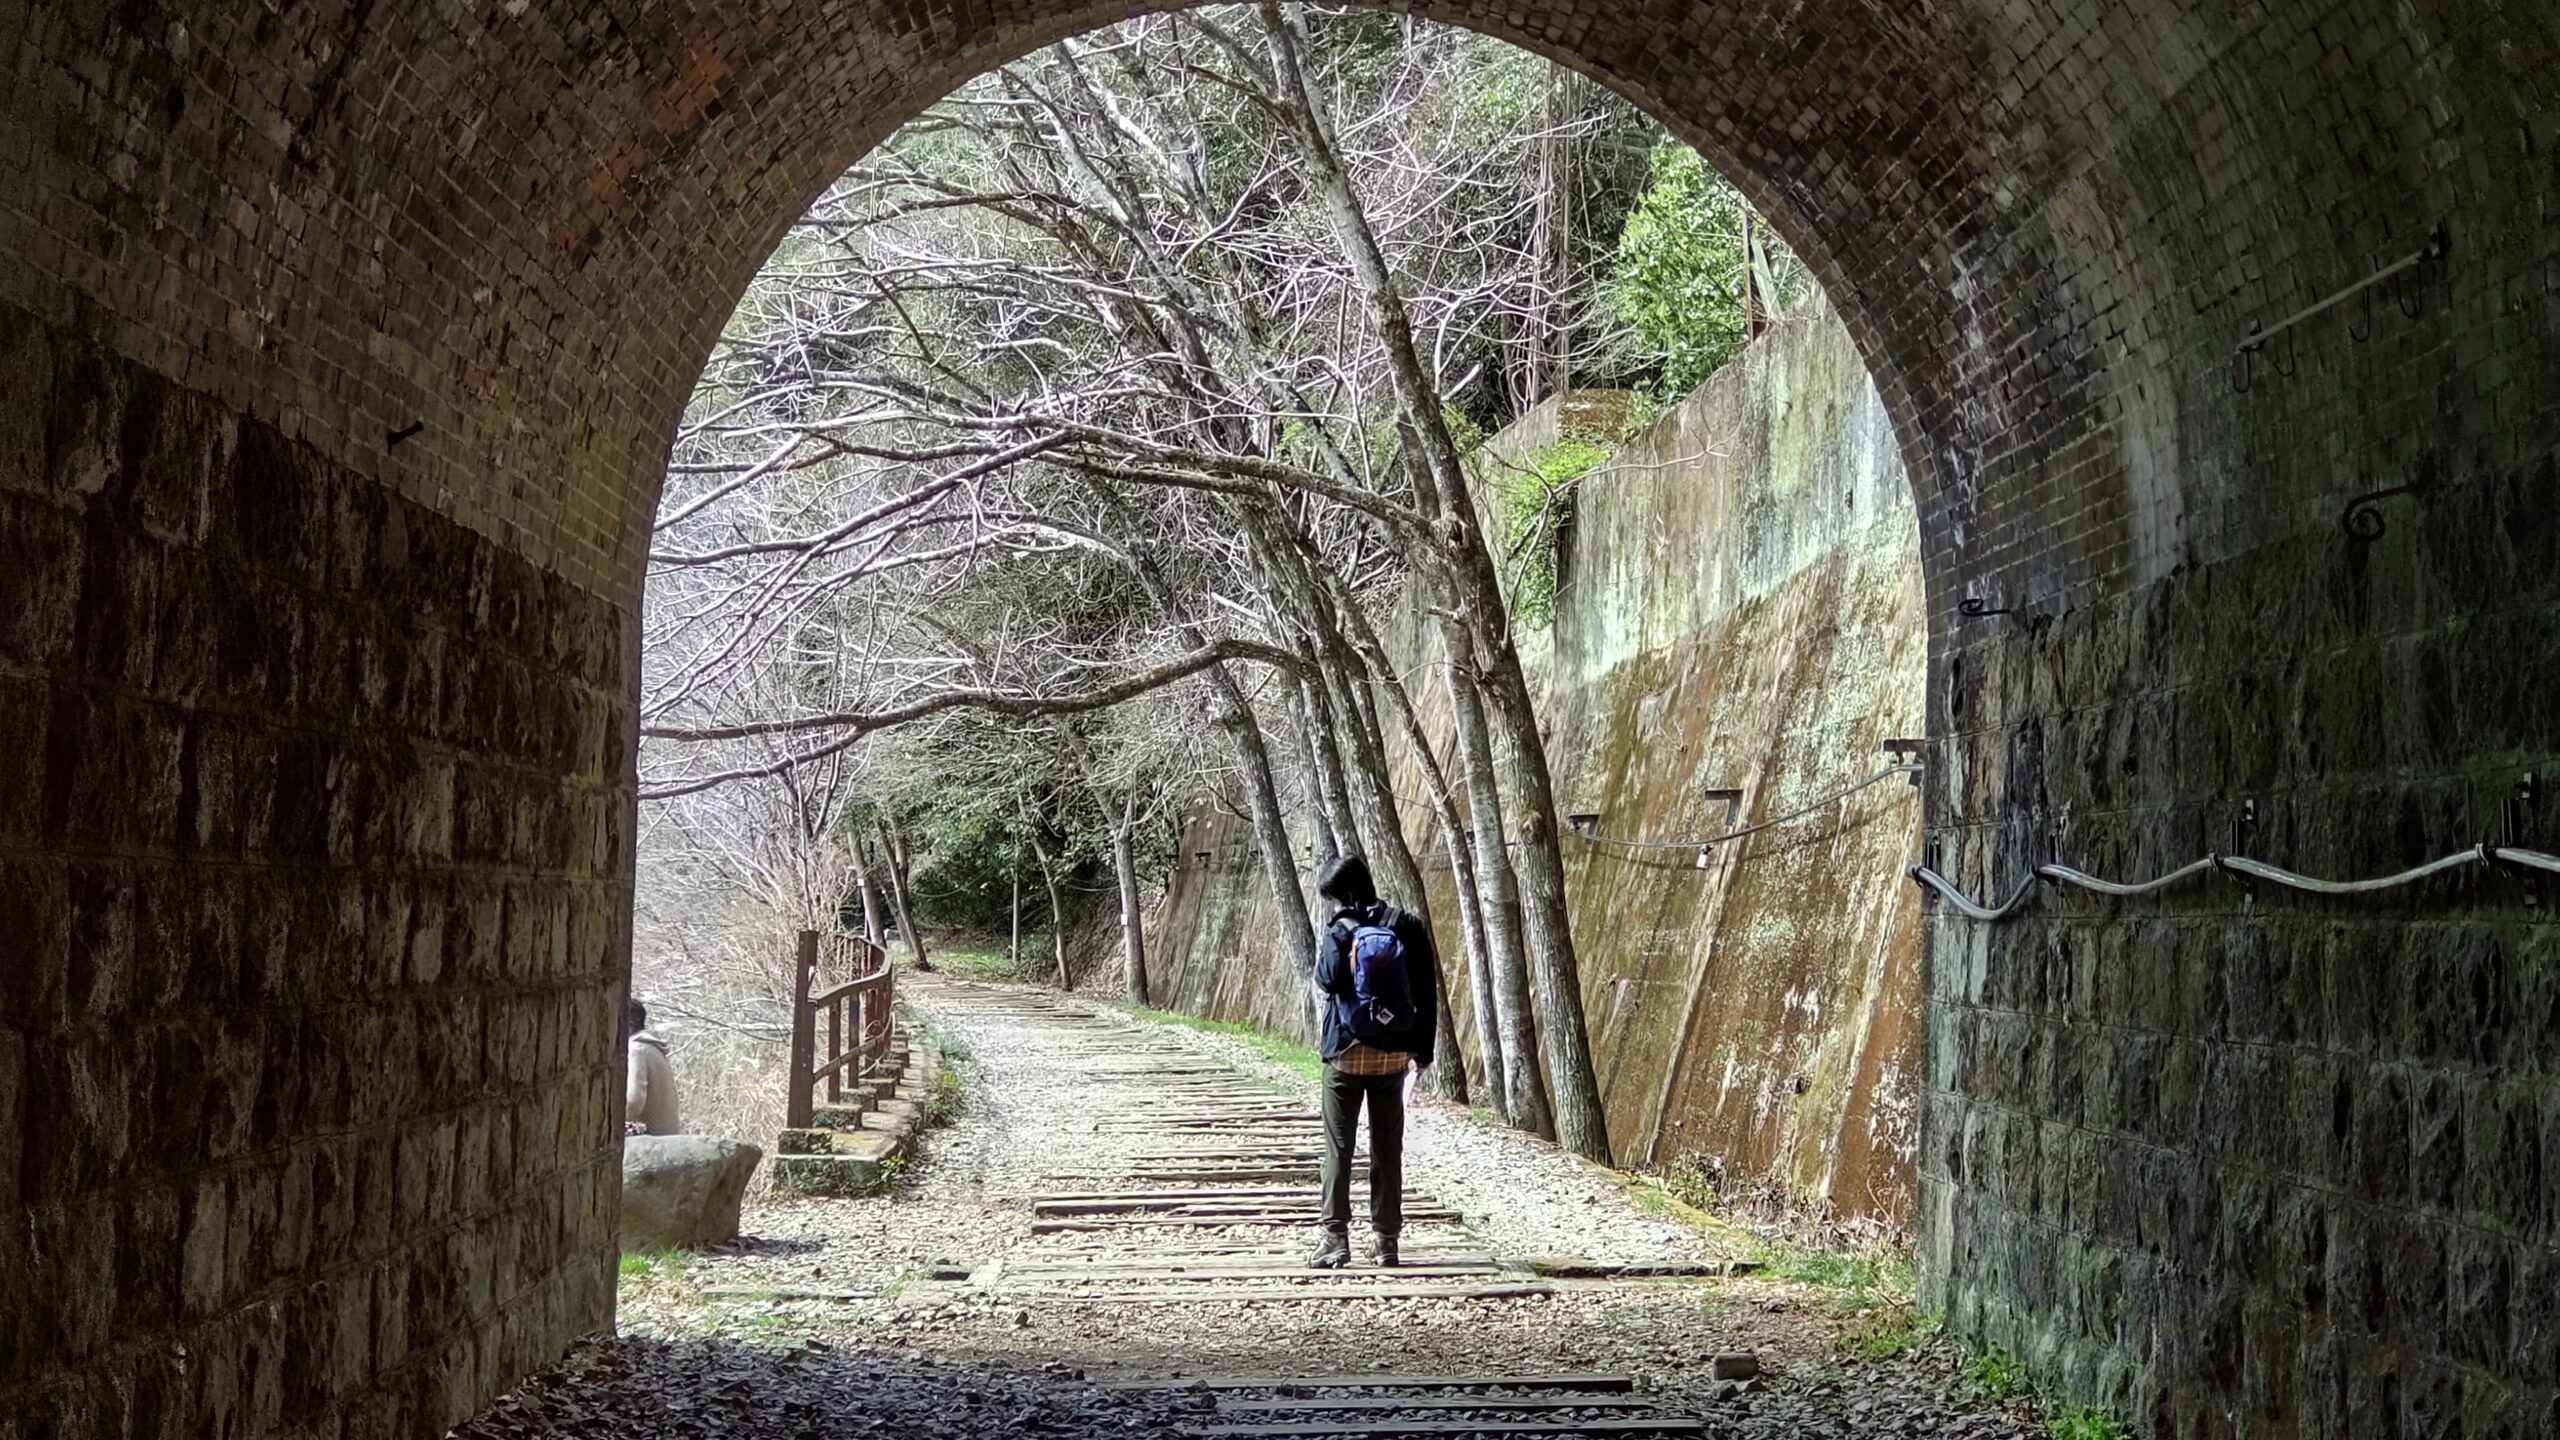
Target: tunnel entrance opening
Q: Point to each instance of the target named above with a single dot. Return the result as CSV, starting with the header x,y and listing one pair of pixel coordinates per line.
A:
x,y
1062,383
343,352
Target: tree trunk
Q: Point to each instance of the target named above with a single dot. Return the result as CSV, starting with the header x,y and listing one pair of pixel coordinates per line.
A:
x,y
1014,951
1549,359
1382,829
1057,911
893,853
874,914
1271,834
1492,1065
1124,868
1317,728
1474,586
1582,1124
1505,944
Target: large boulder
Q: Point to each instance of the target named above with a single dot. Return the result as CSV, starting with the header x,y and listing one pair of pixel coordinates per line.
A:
x,y
682,1191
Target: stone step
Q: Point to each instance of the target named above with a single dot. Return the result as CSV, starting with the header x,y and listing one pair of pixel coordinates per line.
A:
x,y
859,1165
892,1114
854,1143
806,1140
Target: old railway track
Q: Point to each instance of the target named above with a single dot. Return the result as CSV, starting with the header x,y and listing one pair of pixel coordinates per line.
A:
x,y
1199,1188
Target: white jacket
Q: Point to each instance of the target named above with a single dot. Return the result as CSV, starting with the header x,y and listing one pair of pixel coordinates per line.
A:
x,y
649,1086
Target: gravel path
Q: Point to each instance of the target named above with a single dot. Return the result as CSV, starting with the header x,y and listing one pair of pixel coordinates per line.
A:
x,y
939,1310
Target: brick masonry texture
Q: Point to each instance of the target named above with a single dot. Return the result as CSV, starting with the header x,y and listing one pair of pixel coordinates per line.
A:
x,y
314,823
518,227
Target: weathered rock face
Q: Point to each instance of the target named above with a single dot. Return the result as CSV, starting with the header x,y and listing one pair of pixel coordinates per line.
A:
x,y
314,830
682,1191
1738,629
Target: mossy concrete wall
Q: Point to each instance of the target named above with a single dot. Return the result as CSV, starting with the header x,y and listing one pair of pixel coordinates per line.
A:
x,y
1738,629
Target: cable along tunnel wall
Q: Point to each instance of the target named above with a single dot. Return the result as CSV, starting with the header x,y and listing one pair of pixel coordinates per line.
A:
x,y
1739,610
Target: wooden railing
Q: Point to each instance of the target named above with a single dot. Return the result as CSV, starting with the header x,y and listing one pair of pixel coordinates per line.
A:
x,y
852,1012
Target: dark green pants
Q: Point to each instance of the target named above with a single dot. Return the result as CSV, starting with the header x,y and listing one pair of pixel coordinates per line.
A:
x,y
1343,1096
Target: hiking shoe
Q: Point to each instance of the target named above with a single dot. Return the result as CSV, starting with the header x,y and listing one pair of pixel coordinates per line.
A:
x,y
1332,1252
1383,1247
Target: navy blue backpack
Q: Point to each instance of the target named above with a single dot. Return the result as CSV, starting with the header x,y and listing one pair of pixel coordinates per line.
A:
x,y
1381,1004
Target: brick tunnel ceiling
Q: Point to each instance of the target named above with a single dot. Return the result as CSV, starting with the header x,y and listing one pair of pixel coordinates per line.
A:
x,y
370,772
520,226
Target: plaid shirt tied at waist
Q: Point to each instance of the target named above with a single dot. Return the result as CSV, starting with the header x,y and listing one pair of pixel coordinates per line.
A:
x,y
1365,1059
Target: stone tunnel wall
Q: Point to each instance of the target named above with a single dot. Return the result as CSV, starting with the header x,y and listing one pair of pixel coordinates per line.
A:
x,y
1739,610
2051,227
313,837
2269,1163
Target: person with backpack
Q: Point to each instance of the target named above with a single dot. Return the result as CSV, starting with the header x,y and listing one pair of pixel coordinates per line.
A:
x,y
1375,971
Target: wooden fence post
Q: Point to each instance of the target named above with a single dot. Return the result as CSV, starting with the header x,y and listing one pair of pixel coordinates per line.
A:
x,y
804,1039
835,1049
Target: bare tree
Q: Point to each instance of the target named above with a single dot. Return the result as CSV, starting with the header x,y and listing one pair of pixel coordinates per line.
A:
x,y
1130,373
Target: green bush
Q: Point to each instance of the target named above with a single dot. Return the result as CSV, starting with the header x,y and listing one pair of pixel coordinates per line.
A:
x,y
1693,1185
652,1264
1678,280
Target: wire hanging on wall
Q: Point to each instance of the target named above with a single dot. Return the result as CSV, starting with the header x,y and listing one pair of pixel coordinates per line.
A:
x,y
1707,844
2243,866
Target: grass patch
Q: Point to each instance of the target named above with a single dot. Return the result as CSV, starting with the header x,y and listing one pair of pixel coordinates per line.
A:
x,y
993,960
884,1177
1692,1186
1288,1054
948,1097
1869,1295
652,1264
1887,1329
2084,1422
1835,1269
944,1104
1994,1374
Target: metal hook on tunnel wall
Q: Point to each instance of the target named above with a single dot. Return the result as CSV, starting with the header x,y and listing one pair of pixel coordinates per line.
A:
x,y
2515,825
2411,292
2362,518
2281,358
2244,826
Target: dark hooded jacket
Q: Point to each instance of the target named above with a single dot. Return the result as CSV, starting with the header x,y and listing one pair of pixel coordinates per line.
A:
x,y
1422,971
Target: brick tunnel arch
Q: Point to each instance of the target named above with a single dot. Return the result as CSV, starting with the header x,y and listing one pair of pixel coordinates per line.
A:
x,y
340,350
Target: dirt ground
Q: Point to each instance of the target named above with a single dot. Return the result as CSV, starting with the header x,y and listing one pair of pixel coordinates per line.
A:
x,y
937,1308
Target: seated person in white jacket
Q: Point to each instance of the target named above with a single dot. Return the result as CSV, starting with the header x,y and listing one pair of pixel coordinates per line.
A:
x,y
649,1086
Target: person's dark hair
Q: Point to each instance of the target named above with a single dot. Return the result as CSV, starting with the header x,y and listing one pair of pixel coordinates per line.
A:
x,y
635,1016
1345,881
